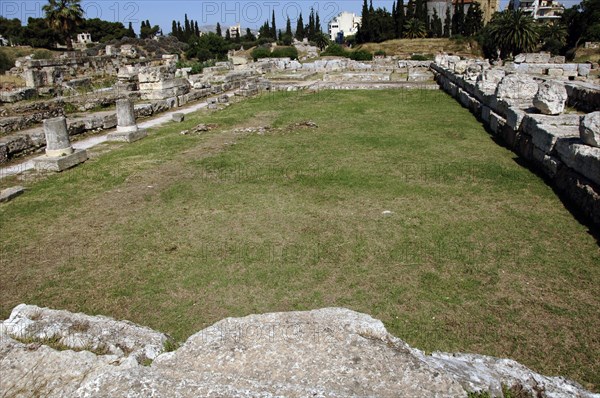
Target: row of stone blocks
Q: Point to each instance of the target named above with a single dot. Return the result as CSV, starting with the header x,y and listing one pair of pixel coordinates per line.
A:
x,y
60,154
551,143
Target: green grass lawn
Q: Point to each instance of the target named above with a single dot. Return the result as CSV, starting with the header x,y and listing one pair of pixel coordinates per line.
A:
x,y
179,231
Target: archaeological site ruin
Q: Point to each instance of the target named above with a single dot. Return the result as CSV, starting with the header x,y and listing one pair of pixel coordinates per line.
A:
x,y
328,224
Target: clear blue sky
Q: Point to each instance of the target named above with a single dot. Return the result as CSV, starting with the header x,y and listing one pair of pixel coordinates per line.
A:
x,y
251,14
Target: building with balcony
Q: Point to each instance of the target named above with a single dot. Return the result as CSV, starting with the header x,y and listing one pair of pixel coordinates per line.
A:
x,y
544,10
344,24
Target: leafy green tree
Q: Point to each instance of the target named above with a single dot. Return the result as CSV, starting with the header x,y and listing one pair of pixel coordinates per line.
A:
x,y
38,33
103,31
381,25
415,29
64,16
11,30
206,47
554,37
511,32
147,31
265,32
249,36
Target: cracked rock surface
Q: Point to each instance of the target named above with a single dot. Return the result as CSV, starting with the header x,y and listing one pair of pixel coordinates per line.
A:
x,y
331,352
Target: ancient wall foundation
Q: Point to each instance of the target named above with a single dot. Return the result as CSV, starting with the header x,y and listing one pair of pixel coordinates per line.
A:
x,y
552,143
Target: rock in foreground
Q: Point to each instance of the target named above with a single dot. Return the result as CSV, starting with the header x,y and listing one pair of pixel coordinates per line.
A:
x,y
332,352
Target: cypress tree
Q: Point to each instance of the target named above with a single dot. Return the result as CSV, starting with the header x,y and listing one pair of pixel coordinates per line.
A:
x,y
273,27
458,19
288,27
219,32
196,30
130,31
311,24
364,32
300,28
400,18
173,28
188,30
317,23
410,10
447,22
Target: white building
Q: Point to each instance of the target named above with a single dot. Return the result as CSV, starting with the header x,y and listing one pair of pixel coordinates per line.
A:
x,y
346,23
544,10
235,30
84,38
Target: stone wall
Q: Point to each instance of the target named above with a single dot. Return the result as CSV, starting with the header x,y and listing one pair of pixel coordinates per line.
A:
x,y
47,72
551,144
28,141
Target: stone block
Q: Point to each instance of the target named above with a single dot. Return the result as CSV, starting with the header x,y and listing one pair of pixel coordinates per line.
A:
x,y
496,122
9,194
60,163
178,117
582,158
516,88
143,110
555,72
545,136
109,121
548,164
3,153
514,117
584,69
537,58
126,136
589,129
550,98
485,113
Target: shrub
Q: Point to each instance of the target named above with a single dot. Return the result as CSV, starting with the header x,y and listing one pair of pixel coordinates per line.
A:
x,y
360,55
260,52
285,52
418,57
335,50
278,52
5,62
380,53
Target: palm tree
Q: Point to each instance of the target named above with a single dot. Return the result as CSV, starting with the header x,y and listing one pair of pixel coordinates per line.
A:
x,y
415,29
321,40
64,16
513,32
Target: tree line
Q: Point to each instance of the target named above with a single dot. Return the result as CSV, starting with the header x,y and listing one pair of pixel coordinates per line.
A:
x,y
412,21
511,31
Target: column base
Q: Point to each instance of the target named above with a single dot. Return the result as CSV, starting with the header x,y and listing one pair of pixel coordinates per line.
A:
x,y
130,136
60,163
